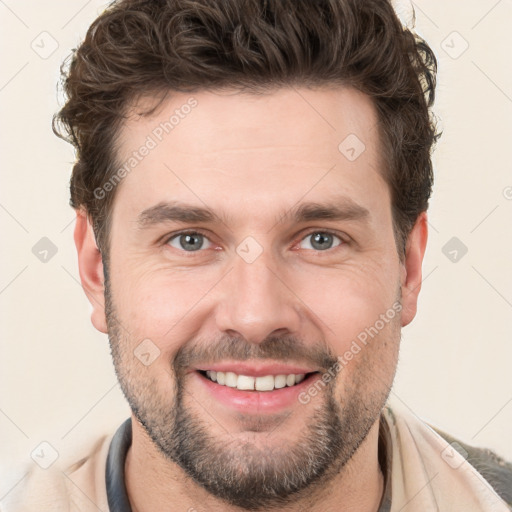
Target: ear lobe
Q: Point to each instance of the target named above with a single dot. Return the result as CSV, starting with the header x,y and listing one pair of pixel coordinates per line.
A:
x,y
411,269
90,265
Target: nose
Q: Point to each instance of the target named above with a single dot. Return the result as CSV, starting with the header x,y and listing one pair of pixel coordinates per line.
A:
x,y
257,301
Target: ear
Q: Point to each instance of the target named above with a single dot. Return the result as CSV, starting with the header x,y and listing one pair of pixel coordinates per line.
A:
x,y
90,266
411,268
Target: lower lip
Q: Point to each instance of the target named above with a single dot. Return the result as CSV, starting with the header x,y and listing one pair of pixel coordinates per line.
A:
x,y
257,402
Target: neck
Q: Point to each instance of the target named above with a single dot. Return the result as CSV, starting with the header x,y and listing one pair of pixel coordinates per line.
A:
x,y
154,483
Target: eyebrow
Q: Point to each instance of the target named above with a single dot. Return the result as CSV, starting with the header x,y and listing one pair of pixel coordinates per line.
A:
x,y
174,211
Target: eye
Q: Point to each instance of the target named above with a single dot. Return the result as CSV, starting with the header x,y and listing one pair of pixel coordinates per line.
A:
x,y
321,240
189,241
194,241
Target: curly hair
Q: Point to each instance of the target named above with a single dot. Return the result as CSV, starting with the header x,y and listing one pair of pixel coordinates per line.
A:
x,y
145,48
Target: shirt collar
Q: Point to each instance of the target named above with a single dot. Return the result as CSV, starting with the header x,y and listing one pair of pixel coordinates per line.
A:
x,y
114,475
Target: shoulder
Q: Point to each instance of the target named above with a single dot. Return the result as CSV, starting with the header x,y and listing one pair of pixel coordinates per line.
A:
x,y
451,472
496,470
74,482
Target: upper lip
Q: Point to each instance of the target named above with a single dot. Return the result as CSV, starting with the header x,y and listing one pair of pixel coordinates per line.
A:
x,y
255,369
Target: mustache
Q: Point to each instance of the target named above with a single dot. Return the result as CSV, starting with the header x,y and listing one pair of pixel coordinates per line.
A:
x,y
277,348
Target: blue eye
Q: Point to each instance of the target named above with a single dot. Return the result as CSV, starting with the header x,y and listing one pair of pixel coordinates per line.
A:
x,y
322,240
190,242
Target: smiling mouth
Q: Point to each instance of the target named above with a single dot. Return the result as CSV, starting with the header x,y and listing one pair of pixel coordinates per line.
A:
x,y
248,383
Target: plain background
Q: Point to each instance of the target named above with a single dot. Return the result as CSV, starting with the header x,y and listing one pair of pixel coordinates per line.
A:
x,y
57,380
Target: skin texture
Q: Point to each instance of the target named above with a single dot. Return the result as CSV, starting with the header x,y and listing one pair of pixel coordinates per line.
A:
x,y
251,159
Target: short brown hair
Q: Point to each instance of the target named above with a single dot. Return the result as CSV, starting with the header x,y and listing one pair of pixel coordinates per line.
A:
x,y
139,48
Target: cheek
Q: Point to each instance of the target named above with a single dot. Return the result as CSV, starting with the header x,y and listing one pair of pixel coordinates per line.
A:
x,y
351,298
158,304
367,351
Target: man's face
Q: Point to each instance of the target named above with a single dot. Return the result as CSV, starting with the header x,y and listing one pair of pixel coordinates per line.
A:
x,y
258,290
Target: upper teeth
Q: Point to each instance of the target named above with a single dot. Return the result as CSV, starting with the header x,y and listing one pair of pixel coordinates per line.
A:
x,y
245,382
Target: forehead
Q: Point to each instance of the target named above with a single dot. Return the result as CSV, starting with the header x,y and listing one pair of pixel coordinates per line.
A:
x,y
244,153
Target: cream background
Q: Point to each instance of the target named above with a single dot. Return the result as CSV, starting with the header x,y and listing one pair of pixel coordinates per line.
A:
x,y
57,383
